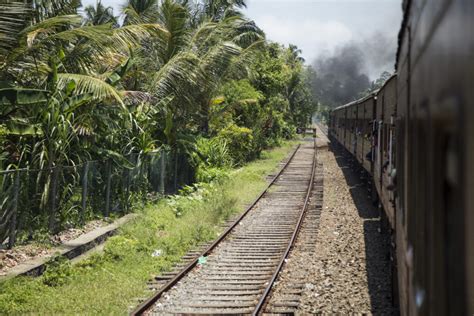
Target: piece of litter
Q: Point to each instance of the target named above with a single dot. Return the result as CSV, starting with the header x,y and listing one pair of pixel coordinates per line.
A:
x,y
309,286
157,253
202,260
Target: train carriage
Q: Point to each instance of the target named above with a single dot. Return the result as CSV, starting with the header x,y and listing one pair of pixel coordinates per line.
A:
x,y
367,132
351,130
345,123
384,143
359,132
424,152
348,128
333,125
339,126
435,112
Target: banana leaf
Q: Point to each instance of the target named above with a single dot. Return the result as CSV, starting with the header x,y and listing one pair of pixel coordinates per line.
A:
x,y
22,96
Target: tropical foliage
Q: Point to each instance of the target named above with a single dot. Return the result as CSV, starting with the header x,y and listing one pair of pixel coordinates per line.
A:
x,y
196,78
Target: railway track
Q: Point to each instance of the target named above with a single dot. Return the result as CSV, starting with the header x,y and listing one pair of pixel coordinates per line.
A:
x,y
323,128
237,272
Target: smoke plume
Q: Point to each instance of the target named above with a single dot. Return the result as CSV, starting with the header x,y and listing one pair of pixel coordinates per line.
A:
x,y
348,72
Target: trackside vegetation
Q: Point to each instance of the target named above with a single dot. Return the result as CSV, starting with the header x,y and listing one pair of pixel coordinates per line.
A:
x,y
107,283
196,80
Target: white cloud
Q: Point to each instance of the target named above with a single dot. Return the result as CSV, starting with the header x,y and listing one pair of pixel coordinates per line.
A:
x,y
312,36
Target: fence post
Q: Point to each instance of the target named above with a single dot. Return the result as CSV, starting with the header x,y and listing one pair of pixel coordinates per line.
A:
x,y
107,192
16,189
53,187
163,172
175,171
146,176
127,189
85,173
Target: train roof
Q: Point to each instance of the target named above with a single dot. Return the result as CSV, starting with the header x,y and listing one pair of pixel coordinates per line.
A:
x,y
403,29
387,82
367,97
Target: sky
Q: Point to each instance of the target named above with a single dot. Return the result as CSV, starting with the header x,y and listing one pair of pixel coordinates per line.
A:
x,y
319,27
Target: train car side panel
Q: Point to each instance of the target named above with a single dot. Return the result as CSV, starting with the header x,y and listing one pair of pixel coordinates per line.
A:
x,y
353,137
389,148
368,154
404,257
436,178
359,151
349,128
342,125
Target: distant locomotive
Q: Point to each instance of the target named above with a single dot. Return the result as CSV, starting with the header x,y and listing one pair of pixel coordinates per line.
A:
x,y
415,137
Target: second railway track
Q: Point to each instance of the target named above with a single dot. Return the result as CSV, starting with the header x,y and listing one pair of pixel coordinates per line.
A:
x,y
241,267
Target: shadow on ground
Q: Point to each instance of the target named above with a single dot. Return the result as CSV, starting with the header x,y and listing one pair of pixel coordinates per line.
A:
x,y
377,240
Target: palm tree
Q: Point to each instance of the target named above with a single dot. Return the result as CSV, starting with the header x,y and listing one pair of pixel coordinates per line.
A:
x,y
100,15
175,18
61,81
13,15
60,64
140,11
45,9
194,73
218,9
295,53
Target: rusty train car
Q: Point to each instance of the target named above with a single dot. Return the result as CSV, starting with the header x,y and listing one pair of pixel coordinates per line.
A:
x,y
415,138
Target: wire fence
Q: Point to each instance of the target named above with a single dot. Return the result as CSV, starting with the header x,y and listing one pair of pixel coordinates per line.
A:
x,y
48,200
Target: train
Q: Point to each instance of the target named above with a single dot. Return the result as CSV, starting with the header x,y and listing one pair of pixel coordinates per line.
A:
x,y
415,139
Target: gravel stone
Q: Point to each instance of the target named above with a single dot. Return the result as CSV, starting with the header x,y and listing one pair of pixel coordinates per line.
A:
x,y
350,267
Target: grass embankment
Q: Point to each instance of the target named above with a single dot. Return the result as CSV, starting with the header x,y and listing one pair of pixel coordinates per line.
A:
x,y
107,283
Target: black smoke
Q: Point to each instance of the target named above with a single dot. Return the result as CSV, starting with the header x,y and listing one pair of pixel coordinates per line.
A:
x,y
347,73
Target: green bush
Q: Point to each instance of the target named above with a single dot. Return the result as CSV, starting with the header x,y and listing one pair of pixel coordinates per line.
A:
x,y
209,174
241,143
58,271
213,152
212,159
118,246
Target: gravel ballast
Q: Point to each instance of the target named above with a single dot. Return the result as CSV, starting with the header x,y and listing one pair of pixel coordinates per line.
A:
x,y
350,267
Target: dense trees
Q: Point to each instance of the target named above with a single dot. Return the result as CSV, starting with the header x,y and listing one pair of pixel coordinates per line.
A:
x,y
169,73
73,85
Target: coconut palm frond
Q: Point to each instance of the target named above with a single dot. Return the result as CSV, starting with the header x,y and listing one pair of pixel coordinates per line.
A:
x,y
46,9
12,20
132,35
55,24
215,63
203,35
137,97
100,14
177,76
95,33
239,67
174,17
98,89
140,11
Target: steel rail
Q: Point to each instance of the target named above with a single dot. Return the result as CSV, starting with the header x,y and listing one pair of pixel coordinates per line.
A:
x,y
323,129
144,306
266,293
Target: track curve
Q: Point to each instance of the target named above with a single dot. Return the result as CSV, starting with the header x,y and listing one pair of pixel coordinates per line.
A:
x,y
242,265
